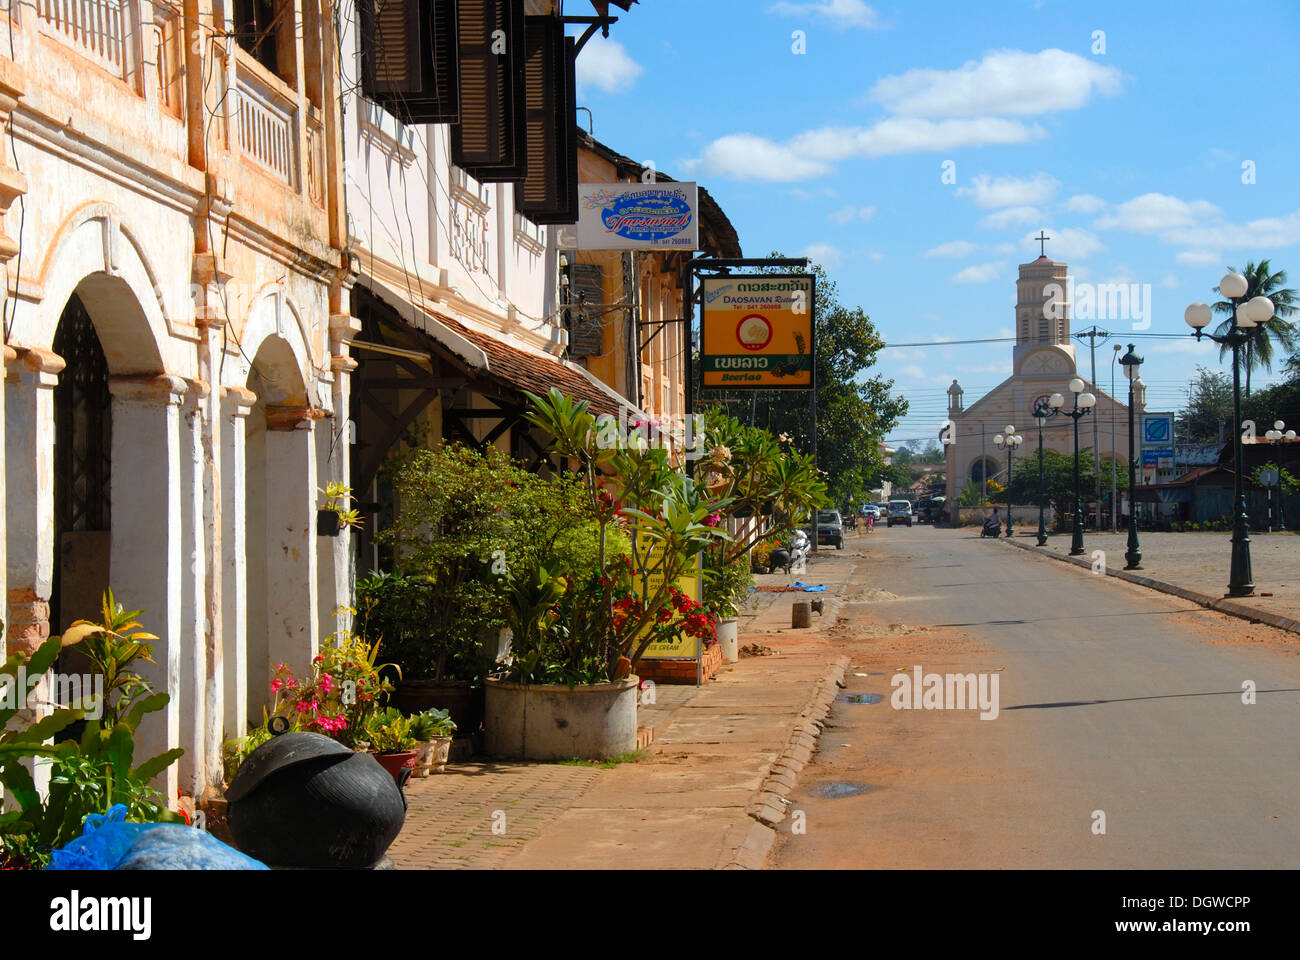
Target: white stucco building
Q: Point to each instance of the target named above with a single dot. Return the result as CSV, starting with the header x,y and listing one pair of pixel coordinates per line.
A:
x,y
176,319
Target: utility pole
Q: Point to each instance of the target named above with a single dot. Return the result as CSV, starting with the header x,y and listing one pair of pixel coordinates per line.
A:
x,y
1095,336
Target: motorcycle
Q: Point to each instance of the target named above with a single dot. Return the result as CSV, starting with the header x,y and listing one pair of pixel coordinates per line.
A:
x,y
991,528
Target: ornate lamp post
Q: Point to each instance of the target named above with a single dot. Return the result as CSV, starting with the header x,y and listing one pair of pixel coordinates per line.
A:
x,y
1010,439
1042,413
1246,316
1279,434
1083,404
1131,362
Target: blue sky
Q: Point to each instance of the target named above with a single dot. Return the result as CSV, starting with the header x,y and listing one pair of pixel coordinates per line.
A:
x,y
1130,155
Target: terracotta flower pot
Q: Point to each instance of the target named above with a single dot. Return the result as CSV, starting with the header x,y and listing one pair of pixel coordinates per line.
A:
x,y
395,762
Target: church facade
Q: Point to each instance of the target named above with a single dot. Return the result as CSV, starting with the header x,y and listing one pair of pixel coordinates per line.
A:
x,y
1043,362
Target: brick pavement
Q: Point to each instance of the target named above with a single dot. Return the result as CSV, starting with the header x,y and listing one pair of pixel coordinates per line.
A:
x,y
686,804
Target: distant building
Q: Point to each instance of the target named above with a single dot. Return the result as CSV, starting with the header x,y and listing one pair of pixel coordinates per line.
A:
x,y
1043,363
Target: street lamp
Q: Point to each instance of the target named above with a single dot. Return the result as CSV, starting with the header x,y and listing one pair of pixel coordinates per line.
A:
x,y
1279,434
1010,439
1246,316
1042,413
1114,475
1133,555
1083,404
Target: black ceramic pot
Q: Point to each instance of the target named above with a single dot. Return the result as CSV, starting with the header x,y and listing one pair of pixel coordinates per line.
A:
x,y
304,800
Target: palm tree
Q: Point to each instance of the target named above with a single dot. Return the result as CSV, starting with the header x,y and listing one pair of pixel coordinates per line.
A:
x,y
1261,281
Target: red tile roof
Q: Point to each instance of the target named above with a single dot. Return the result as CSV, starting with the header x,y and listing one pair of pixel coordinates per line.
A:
x,y
521,369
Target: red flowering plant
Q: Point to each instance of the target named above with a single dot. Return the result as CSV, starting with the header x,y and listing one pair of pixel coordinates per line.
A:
x,y
601,621
344,689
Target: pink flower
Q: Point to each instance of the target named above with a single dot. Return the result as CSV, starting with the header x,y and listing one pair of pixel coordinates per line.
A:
x,y
713,519
276,684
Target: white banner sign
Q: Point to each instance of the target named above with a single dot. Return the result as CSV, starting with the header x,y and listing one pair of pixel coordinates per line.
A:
x,y
638,216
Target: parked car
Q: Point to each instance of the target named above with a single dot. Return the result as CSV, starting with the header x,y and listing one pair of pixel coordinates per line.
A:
x,y
927,511
899,511
830,528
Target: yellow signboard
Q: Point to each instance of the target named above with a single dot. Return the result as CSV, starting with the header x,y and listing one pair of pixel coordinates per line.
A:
x,y
680,647
757,332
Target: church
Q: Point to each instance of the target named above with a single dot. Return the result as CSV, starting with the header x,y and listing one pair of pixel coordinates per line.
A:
x,y
1043,362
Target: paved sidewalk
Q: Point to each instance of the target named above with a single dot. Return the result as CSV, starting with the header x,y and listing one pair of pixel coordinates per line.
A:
x,y
706,793
1195,566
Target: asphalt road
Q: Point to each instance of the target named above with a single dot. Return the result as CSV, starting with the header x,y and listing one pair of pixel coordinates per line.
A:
x,y
1114,701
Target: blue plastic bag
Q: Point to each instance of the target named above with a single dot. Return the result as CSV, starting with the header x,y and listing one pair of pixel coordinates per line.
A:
x,y
808,589
108,842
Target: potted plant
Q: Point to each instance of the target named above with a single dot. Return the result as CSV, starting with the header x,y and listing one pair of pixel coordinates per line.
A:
x,y
432,730
727,585
336,513
460,513
569,687
389,734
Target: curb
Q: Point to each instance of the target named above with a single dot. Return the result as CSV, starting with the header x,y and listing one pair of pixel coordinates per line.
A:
x,y
1221,604
767,808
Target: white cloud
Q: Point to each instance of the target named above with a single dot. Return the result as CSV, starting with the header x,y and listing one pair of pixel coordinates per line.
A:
x,y
1169,281
953,248
851,213
828,255
1264,233
1084,203
1010,217
1069,243
844,13
980,274
1198,258
876,255
1005,82
1155,212
746,156
1002,249
989,193
605,64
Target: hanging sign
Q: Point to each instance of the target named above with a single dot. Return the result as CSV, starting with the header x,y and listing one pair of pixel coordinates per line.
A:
x,y
757,332
638,216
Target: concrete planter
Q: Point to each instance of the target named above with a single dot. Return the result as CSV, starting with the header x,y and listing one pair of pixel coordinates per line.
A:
x,y
557,722
729,639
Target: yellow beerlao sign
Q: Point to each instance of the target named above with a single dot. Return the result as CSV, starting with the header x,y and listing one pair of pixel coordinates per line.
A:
x,y
691,583
757,332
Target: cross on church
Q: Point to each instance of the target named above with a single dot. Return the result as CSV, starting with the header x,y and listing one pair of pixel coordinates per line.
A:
x,y
1042,243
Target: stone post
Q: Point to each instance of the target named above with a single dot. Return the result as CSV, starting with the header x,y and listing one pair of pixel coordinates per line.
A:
x,y
237,404
146,552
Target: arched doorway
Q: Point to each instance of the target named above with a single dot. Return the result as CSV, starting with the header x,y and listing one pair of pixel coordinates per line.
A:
x,y
83,431
983,468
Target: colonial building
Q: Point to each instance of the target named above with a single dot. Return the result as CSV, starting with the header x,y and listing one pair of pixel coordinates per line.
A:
x,y
175,326
1043,362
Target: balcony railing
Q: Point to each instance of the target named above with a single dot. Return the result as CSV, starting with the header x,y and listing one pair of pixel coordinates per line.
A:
x,y
102,30
267,126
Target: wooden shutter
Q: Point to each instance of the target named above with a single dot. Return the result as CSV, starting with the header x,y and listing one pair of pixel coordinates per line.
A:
x,y
549,191
409,58
488,143
586,326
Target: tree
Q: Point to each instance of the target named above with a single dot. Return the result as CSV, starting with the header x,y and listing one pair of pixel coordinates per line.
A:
x,y
854,412
1058,480
1209,403
1262,280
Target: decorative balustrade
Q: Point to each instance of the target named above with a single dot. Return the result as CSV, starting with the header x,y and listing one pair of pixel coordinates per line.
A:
x,y
102,30
267,126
